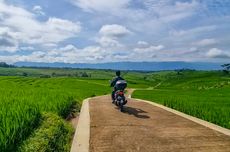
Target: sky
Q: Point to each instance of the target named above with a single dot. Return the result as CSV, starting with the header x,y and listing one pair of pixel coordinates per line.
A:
x,y
98,31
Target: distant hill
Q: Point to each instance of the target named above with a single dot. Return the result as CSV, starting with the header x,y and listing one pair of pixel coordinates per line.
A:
x,y
139,66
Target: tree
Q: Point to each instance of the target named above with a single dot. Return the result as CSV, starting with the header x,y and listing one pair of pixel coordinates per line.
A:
x,y
179,71
84,74
45,76
54,74
24,74
76,74
5,65
226,68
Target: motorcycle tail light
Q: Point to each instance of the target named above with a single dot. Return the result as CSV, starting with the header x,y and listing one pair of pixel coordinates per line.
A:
x,y
121,93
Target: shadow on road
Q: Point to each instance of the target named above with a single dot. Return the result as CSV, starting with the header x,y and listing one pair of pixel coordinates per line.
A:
x,y
136,112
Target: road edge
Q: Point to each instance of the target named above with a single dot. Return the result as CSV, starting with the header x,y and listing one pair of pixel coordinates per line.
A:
x,y
82,134
194,119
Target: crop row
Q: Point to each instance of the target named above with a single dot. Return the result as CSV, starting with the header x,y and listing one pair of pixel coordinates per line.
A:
x,y
23,100
209,105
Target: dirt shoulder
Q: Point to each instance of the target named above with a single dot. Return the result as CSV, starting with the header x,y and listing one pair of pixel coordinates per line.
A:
x,y
143,127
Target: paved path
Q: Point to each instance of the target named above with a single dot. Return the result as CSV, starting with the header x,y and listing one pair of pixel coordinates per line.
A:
x,y
146,128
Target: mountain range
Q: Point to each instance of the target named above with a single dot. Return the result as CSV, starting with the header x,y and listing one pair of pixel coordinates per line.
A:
x,y
137,66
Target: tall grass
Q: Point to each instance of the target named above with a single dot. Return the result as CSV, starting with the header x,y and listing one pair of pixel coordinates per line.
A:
x,y
22,100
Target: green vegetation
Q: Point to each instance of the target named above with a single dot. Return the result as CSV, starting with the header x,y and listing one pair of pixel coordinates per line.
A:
x,y
201,94
52,135
135,79
27,93
35,102
226,68
24,99
3,64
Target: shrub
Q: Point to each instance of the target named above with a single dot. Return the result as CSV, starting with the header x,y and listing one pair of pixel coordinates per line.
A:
x,y
53,135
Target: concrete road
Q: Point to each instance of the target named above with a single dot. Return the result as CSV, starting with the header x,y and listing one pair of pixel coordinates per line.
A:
x,y
147,128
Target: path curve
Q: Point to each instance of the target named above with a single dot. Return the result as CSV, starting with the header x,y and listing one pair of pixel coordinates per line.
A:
x,y
146,128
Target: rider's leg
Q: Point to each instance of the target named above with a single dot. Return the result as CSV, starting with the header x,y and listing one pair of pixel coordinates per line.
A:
x,y
113,95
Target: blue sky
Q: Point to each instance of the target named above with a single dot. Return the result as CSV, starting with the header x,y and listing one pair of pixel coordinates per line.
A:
x,y
95,31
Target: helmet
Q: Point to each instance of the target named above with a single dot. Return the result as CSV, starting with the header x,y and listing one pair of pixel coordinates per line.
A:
x,y
118,73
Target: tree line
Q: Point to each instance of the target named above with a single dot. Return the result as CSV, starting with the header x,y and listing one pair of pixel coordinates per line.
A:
x,y
226,68
5,65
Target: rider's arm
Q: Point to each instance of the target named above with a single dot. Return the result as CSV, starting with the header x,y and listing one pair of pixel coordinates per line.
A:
x,y
113,82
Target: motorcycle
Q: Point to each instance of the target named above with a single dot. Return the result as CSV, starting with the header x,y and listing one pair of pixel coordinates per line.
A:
x,y
119,95
120,100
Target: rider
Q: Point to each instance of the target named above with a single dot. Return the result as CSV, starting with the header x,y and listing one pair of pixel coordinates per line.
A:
x,y
113,83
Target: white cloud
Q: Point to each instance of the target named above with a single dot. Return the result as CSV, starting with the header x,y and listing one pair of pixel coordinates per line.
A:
x,y
23,27
108,42
114,30
110,35
72,54
27,48
169,10
38,54
205,42
142,44
217,53
175,17
193,49
8,48
165,22
67,54
33,57
6,9
100,5
56,30
38,10
193,31
146,48
184,6
68,47
7,42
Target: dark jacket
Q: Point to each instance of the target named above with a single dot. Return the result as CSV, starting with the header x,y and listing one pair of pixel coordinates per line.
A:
x,y
114,81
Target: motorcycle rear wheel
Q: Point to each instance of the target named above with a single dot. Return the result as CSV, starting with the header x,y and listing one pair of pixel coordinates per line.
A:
x,y
121,107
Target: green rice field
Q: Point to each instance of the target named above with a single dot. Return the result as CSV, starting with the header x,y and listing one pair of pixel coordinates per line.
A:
x,y
23,100
34,103
205,95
